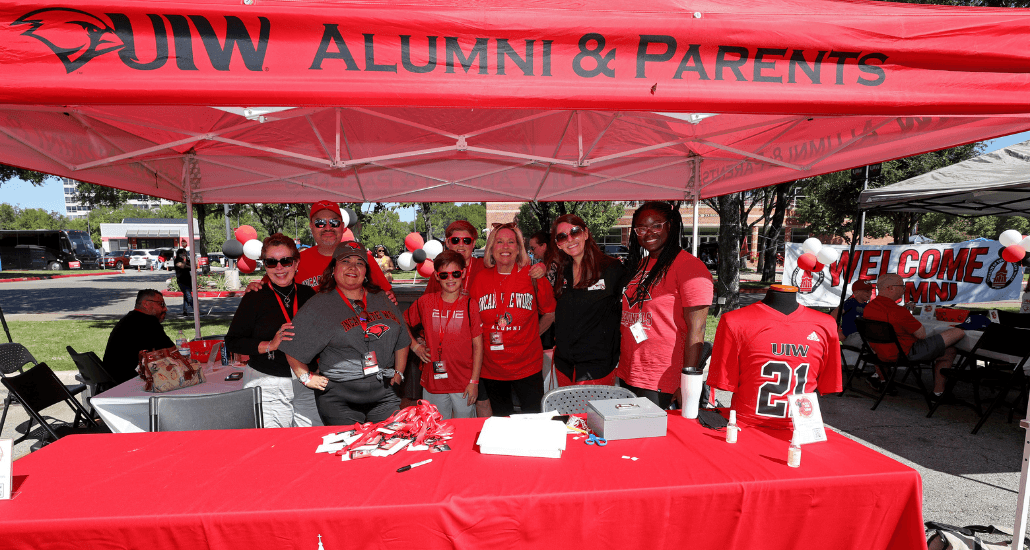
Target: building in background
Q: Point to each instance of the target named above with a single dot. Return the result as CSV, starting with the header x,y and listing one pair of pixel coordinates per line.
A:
x,y
74,209
148,233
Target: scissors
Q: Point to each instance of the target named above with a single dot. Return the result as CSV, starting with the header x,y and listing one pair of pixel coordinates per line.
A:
x,y
594,440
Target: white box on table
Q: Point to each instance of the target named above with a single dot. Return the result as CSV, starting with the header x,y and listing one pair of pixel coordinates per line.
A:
x,y
6,468
626,418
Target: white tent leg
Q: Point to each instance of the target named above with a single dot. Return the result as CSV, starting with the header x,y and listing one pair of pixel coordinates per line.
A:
x,y
697,200
187,185
1019,530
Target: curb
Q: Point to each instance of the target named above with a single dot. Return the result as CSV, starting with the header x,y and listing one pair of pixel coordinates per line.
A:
x,y
207,294
41,278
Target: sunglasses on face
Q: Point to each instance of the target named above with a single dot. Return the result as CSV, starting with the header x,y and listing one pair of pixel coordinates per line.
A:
x,y
456,240
285,262
320,223
642,230
444,275
574,232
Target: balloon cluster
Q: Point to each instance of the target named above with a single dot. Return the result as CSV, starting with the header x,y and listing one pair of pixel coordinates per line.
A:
x,y
816,256
420,254
1015,245
245,248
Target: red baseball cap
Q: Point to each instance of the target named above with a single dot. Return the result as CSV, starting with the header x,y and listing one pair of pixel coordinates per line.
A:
x,y
861,284
325,205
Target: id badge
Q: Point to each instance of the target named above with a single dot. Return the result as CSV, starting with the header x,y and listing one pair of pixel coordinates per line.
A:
x,y
370,364
639,334
439,370
496,341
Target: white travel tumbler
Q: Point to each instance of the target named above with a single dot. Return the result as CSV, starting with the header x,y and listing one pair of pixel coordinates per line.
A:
x,y
690,391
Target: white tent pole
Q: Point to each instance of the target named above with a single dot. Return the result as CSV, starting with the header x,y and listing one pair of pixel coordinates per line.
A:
x,y
187,186
697,200
1019,529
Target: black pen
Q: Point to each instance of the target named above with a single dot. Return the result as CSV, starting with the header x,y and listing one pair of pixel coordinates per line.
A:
x,y
415,465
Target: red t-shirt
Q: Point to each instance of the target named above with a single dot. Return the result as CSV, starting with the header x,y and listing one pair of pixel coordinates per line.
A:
x,y
511,299
459,323
474,266
905,325
313,264
655,363
764,356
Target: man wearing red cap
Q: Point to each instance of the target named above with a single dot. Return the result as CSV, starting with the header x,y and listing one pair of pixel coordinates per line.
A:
x,y
861,293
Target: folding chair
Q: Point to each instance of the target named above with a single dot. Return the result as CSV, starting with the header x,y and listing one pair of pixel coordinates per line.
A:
x,y
573,399
39,388
996,349
92,373
1013,319
235,410
881,332
13,358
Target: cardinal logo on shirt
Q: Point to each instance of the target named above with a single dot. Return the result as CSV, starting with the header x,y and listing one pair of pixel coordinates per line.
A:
x,y
636,297
377,330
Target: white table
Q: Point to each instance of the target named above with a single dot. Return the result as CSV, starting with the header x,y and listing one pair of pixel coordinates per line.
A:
x,y
125,408
966,344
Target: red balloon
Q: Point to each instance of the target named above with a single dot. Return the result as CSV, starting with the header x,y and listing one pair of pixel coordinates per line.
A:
x,y
413,242
348,235
818,267
426,268
807,261
1013,253
246,265
245,233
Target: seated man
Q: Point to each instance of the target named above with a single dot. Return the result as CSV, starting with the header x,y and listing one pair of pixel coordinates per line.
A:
x,y
912,336
861,293
139,330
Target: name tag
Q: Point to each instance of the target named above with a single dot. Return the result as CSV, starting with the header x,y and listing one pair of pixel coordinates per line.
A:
x,y
599,285
439,370
638,332
496,341
370,365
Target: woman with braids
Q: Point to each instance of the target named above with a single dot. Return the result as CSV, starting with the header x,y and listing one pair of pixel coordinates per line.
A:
x,y
587,287
664,306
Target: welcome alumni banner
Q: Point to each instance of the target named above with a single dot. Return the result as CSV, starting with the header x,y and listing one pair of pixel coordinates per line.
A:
x,y
967,272
824,57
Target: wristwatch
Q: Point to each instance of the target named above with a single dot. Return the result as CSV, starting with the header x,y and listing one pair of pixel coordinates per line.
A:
x,y
304,378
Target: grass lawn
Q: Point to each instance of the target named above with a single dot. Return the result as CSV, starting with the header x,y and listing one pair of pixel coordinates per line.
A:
x,y
46,340
48,273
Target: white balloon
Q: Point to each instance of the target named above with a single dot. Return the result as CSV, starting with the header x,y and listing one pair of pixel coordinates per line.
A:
x,y
1025,243
432,248
405,262
1009,237
252,249
812,245
345,218
827,255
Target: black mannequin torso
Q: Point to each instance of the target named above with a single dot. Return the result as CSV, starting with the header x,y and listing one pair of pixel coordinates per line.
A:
x,y
782,298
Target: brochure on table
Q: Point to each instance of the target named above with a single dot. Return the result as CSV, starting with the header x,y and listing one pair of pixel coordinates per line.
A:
x,y
6,465
808,419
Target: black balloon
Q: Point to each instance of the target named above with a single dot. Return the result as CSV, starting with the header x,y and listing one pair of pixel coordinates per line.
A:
x,y
352,217
232,249
419,256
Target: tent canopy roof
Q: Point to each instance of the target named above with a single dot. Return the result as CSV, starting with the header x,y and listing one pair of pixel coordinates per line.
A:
x,y
992,184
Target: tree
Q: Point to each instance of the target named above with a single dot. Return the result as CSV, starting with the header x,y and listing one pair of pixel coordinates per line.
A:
x,y
727,287
10,172
772,231
599,216
386,228
95,196
444,213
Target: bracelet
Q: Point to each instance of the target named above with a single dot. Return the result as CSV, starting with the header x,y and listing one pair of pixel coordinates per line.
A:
x,y
400,373
473,381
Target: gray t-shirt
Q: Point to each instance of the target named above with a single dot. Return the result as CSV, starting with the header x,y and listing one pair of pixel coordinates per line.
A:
x,y
328,328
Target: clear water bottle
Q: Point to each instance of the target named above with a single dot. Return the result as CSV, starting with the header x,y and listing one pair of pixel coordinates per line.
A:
x,y
732,428
794,454
180,344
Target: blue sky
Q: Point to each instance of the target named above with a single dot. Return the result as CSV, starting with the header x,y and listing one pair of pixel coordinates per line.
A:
x,y
50,196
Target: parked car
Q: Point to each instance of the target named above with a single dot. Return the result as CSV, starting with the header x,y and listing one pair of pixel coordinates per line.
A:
x,y
143,258
116,259
216,258
619,251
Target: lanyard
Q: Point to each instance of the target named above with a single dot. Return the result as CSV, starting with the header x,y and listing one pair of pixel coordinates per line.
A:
x,y
289,317
443,321
502,307
363,316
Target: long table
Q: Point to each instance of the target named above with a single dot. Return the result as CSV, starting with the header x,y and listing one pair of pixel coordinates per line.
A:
x,y
125,408
968,342
267,489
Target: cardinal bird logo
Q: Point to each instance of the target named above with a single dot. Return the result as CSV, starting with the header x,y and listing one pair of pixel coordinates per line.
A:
x,y
377,330
76,37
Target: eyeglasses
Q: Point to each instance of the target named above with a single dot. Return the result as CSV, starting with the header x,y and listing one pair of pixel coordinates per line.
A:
x,y
574,232
445,274
456,240
160,303
320,223
285,262
642,230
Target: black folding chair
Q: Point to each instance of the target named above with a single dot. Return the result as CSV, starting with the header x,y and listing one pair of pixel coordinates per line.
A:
x,y
1013,319
882,333
234,410
1003,351
13,359
39,388
92,373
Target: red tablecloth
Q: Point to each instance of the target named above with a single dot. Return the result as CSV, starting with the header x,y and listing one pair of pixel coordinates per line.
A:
x,y
259,489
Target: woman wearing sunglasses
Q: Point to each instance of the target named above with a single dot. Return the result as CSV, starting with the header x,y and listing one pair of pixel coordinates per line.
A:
x,y
515,310
664,306
587,288
262,322
360,339
452,353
